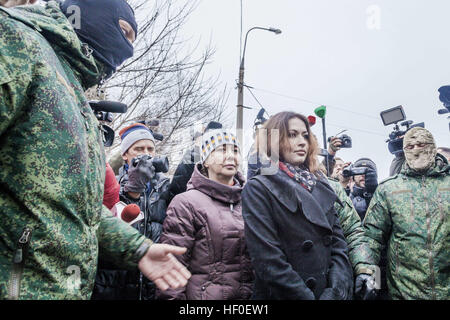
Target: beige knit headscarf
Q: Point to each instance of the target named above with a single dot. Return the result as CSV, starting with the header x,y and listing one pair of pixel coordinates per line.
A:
x,y
420,149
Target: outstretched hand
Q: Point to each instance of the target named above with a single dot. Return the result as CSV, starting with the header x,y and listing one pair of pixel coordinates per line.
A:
x,y
160,266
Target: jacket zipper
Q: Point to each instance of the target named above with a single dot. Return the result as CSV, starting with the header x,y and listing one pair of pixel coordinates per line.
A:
x,y
397,259
18,264
430,245
141,277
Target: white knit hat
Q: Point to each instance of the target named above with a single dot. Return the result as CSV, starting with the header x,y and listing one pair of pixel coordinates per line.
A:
x,y
131,134
215,138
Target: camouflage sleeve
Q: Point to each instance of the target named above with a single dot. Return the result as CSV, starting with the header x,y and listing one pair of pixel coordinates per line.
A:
x,y
120,243
359,251
358,248
15,74
377,224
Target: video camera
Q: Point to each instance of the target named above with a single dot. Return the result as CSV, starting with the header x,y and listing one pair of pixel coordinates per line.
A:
x,y
354,171
346,140
161,163
393,116
444,96
103,111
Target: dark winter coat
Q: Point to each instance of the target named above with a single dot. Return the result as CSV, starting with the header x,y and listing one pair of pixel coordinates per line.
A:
x,y
115,284
207,220
360,201
183,173
295,240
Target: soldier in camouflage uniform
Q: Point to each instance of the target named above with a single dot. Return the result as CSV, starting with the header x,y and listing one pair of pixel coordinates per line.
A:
x,y
52,222
351,227
409,213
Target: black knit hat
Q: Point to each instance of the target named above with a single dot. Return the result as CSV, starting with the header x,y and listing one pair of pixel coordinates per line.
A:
x,y
365,162
213,125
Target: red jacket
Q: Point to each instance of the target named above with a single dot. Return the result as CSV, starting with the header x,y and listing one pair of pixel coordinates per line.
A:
x,y
112,188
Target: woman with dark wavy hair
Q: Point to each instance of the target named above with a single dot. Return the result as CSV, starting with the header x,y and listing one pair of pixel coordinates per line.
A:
x,y
292,231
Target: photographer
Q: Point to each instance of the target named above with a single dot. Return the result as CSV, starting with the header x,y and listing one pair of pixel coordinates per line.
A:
x,y
365,185
397,116
142,185
334,146
346,182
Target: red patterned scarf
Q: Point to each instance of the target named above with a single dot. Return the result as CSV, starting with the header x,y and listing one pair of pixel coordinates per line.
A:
x,y
301,175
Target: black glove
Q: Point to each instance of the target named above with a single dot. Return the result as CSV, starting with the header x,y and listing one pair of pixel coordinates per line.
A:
x,y
364,287
331,294
340,287
371,180
140,173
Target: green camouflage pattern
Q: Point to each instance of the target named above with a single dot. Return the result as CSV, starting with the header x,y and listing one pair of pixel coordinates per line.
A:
x,y
352,228
52,167
409,213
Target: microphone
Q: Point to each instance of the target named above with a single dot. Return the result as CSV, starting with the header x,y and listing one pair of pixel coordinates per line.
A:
x,y
108,106
130,212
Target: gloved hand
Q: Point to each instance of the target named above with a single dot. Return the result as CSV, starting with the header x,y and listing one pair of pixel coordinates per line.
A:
x,y
365,287
339,287
371,179
139,174
331,294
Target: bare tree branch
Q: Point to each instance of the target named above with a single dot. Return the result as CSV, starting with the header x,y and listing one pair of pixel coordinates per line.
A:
x,y
166,78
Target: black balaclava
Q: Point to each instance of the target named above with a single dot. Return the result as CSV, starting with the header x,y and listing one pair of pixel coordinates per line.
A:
x,y
99,28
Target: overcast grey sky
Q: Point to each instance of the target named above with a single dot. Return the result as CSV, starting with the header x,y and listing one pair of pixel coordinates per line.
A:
x,y
357,57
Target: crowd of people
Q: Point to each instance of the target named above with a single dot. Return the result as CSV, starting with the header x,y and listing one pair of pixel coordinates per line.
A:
x,y
304,229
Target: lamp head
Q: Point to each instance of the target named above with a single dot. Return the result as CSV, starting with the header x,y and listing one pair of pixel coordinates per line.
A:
x,y
311,120
321,111
274,30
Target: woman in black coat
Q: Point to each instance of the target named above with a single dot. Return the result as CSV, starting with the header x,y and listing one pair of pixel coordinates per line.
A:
x,y
292,231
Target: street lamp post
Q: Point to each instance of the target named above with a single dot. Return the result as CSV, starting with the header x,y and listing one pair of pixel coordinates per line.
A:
x,y
240,102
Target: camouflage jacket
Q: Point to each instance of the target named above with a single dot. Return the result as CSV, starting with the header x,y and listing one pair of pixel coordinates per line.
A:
x,y
52,168
352,229
409,212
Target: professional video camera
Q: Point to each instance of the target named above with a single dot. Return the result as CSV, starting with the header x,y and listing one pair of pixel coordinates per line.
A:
x,y
103,111
444,96
161,163
393,116
346,140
